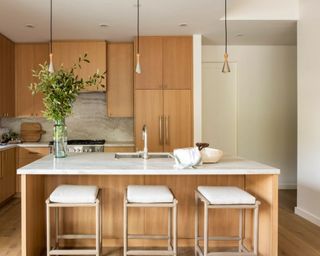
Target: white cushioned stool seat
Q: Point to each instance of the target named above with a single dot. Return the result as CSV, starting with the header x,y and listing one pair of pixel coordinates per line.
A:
x,y
226,195
149,194
73,194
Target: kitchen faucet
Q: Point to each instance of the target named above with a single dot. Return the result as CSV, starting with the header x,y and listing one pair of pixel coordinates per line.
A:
x,y
145,139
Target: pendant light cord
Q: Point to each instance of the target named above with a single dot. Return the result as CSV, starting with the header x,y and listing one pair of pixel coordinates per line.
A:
x,y
138,26
225,26
50,26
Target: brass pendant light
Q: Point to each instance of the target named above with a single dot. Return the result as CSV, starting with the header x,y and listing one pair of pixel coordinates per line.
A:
x,y
226,67
138,67
51,68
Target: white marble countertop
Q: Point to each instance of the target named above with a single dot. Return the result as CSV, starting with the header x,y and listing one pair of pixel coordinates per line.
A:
x,y
107,164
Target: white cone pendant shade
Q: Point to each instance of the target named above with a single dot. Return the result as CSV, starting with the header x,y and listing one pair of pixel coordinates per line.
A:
x,y
51,68
138,67
226,67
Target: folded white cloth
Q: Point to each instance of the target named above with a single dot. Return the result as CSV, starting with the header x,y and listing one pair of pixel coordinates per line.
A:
x,y
187,157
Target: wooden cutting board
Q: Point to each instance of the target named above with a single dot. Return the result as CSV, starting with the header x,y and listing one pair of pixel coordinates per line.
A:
x,y
31,132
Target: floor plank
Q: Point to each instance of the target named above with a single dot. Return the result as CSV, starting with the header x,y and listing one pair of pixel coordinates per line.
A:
x,y
296,236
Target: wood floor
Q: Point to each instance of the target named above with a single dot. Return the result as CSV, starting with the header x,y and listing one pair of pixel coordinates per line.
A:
x,y
297,237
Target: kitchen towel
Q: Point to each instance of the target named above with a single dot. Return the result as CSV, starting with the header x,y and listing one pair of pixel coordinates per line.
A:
x,y
187,157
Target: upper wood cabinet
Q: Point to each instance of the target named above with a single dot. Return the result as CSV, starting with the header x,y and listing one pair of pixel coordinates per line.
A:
x,y
166,63
67,53
120,80
177,62
7,99
28,56
151,63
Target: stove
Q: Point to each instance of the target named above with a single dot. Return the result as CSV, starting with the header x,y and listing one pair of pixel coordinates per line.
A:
x,y
84,146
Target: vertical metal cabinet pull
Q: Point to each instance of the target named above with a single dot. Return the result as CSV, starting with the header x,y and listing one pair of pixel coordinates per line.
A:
x,y
160,130
166,119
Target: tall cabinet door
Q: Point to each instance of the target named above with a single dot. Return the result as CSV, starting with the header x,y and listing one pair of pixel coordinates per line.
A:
x,y
177,62
178,117
151,64
27,58
149,111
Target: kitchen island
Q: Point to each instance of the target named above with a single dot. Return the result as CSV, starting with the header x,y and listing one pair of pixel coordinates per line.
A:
x,y
112,175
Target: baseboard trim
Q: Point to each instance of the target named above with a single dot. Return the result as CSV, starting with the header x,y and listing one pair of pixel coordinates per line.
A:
x,y
307,215
287,186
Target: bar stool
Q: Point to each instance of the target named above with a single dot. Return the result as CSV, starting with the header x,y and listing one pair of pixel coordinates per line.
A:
x,y
226,198
65,196
151,196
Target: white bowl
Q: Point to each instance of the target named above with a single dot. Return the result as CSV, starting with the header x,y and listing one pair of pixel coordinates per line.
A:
x,y
211,155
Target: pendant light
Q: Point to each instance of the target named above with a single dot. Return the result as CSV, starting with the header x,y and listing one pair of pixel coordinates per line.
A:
x,y
138,67
226,67
51,69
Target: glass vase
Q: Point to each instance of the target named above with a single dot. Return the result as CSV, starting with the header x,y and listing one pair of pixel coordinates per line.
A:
x,y
60,139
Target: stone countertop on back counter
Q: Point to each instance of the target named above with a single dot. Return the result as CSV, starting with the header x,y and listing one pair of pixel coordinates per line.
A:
x,y
107,164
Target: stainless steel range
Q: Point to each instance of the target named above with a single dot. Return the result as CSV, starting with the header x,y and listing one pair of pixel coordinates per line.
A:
x,y
84,146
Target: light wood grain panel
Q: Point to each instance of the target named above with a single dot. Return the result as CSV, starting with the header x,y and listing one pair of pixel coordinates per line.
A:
x,y
120,80
148,110
7,100
32,215
178,119
28,56
26,156
265,188
177,62
151,63
7,174
66,53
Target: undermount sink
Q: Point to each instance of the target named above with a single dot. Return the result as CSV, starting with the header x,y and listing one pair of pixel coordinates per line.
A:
x,y
140,154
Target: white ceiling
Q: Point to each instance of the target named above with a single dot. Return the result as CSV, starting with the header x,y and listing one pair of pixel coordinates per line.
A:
x,y
260,22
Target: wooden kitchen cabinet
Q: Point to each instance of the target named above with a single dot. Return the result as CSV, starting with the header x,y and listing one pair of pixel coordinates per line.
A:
x,y
149,111
120,80
26,156
7,99
67,53
168,116
28,56
166,63
151,63
177,114
7,174
177,62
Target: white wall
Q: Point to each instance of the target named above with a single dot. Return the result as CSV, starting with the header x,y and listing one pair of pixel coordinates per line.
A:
x,y
309,111
267,94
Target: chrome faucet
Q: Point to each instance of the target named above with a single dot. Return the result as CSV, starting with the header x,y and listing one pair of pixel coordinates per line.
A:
x,y
145,139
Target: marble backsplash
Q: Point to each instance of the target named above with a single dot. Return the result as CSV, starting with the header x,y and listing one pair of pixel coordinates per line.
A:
x,y
88,121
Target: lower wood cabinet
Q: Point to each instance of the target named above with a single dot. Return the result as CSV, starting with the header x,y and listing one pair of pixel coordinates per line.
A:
x,y
168,116
7,174
28,155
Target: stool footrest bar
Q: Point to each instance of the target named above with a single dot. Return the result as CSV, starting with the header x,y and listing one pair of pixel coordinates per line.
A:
x,y
76,236
149,252
73,252
134,236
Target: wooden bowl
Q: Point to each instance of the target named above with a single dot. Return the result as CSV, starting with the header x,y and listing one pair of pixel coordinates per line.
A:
x,y
211,155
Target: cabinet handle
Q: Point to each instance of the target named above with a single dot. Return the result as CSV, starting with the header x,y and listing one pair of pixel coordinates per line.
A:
x,y
160,130
166,121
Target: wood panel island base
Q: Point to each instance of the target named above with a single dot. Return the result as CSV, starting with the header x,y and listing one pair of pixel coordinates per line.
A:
x,y
112,175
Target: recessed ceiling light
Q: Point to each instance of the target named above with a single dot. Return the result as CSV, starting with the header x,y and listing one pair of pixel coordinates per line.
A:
x,y
29,26
239,35
183,25
104,25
